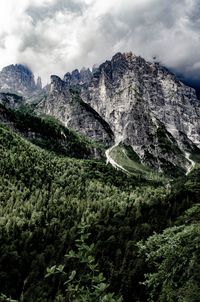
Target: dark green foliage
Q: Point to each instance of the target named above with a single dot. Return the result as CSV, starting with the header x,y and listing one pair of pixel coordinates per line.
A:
x,y
175,257
131,154
42,200
169,169
84,282
193,182
195,155
49,133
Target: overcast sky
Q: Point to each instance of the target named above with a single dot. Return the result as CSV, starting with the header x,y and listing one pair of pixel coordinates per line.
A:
x,y
56,36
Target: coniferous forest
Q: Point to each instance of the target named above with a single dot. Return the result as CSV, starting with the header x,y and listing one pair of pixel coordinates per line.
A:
x,y
74,229
99,151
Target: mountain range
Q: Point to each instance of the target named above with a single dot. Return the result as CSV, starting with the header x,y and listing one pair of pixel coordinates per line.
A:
x,y
99,185
126,103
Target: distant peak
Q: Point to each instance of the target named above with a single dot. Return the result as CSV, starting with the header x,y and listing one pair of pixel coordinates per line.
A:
x,y
77,77
56,83
117,56
121,56
55,78
129,55
75,72
17,78
17,67
39,83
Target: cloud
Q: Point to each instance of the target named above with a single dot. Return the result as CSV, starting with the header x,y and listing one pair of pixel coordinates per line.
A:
x,y
56,36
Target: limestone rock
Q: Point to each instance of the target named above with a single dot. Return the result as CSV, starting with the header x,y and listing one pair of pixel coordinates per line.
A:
x,y
138,98
18,79
66,105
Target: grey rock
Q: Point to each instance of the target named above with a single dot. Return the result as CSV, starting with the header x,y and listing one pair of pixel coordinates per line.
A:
x,y
66,105
77,77
127,99
10,100
136,98
18,79
39,83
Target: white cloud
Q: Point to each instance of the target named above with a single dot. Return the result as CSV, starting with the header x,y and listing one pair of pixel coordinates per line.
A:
x,y
56,36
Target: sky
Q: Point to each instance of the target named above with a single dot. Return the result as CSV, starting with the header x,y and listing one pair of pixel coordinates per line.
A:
x,y
56,36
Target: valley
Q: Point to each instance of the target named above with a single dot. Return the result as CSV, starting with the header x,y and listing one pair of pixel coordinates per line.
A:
x,y
100,185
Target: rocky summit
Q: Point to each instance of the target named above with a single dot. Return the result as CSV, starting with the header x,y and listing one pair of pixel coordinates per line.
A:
x,y
125,102
141,103
19,79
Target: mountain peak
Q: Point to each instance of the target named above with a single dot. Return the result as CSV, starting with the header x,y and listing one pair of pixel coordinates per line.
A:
x,y
77,77
39,83
128,56
142,103
56,83
17,68
17,78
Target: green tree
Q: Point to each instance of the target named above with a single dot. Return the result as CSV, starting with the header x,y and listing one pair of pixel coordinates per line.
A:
x,y
86,282
174,258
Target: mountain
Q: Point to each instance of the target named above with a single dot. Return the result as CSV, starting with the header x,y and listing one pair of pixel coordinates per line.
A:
x,y
49,134
126,103
11,100
142,104
79,230
77,77
19,79
74,228
67,106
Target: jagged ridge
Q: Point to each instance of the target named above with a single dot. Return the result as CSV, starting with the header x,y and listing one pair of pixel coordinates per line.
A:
x,y
129,100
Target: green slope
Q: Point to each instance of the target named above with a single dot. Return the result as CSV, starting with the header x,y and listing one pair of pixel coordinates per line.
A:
x,y
44,199
129,160
49,133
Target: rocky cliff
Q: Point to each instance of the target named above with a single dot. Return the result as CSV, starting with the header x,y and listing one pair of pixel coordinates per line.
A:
x,y
19,79
147,108
48,133
141,103
65,104
76,77
125,101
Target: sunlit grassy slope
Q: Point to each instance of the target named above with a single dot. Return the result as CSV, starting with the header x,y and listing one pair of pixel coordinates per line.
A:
x,y
129,160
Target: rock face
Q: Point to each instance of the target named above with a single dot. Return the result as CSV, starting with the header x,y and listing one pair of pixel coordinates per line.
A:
x,y
48,133
128,90
66,105
147,108
141,103
39,83
126,100
77,77
10,100
18,79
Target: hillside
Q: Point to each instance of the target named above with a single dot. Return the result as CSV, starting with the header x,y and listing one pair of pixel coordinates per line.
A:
x,y
100,151
49,133
52,204
100,185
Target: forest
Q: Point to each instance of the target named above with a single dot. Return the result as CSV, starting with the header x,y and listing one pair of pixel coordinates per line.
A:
x,y
75,229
